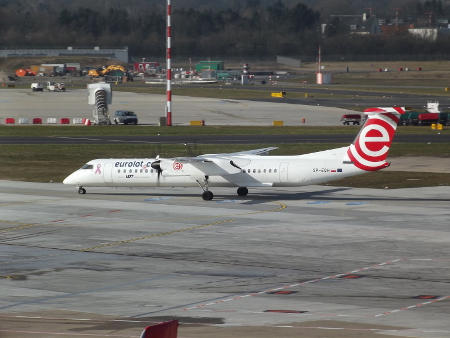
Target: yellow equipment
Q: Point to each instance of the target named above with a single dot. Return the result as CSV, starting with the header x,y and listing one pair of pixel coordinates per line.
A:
x,y
105,71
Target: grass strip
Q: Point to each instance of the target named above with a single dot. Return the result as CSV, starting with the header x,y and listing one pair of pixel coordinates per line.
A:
x,y
394,180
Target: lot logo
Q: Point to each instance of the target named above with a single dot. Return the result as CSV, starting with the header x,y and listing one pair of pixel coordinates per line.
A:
x,y
177,166
370,149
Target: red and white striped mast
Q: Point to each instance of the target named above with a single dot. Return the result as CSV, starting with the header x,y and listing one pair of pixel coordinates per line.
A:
x,y
169,69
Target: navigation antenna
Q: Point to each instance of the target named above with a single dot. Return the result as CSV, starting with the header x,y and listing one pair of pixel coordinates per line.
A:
x,y
396,17
370,10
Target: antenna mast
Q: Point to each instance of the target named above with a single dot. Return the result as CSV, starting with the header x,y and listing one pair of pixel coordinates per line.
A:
x,y
169,69
396,17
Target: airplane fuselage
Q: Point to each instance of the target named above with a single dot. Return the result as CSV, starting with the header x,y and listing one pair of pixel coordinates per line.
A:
x,y
254,171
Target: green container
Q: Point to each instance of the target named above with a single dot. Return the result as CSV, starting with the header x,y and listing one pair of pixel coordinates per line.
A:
x,y
209,65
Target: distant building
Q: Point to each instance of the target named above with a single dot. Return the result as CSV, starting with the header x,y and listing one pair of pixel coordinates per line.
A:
x,y
352,24
115,53
394,29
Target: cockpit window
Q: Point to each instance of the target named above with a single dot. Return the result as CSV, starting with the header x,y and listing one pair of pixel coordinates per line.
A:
x,y
87,166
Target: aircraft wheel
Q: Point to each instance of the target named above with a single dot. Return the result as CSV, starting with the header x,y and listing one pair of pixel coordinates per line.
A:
x,y
207,195
81,191
242,191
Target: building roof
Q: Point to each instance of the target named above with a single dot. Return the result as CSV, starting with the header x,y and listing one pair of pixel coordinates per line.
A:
x,y
359,24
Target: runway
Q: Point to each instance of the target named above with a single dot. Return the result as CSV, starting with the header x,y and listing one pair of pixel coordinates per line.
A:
x,y
316,261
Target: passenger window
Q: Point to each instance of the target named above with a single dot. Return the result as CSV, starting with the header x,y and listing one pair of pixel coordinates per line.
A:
x,y
254,170
151,171
146,170
141,171
130,171
118,171
135,171
264,171
270,170
274,170
259,170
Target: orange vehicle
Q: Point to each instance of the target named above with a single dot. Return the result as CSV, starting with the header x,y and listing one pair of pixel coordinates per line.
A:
x,y
25,72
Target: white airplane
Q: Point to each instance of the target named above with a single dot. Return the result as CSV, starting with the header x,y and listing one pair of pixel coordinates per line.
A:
x,y
248,169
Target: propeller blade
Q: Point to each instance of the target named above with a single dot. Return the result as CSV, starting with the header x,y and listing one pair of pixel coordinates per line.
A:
x,y
157,166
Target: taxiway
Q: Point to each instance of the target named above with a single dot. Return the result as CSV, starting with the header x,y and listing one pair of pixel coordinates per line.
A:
x,y
280,262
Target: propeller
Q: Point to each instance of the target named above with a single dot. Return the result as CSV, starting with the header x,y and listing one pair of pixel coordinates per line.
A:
x,y
157,166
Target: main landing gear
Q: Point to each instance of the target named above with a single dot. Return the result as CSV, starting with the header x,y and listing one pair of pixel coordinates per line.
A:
x,y
242,191
208,195
81,190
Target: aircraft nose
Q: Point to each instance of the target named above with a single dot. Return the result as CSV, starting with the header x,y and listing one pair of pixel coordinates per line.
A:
x,y
70,179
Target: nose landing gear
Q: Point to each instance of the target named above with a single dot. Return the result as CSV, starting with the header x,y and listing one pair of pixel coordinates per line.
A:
x,y
81,190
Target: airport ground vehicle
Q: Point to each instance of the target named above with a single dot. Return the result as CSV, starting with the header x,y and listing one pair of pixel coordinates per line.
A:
x,y
444,118
55,87
37,87
115,70
351,118
418,119
125,117
432,115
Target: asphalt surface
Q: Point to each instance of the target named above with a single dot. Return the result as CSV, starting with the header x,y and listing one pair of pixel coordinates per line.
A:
x,y
222,139
302,262
357,98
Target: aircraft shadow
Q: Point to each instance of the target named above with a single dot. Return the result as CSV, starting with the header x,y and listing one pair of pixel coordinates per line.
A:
x,y
256,197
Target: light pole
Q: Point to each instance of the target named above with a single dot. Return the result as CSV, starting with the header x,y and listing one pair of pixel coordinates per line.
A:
x,y
190,68
169,68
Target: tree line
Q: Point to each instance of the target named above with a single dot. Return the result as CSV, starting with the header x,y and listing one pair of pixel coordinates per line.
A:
x,y
246,29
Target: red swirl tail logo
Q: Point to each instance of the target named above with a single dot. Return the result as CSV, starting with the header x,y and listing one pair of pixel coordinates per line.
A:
x,y
371,147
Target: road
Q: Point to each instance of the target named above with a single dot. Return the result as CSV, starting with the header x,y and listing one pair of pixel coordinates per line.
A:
x,y
214,139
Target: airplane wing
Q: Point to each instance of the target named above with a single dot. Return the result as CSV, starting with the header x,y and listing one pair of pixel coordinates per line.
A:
x,y
261,151
220,164
211,157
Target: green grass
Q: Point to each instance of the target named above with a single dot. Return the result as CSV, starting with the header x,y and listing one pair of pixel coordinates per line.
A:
x,y
394,180
45,163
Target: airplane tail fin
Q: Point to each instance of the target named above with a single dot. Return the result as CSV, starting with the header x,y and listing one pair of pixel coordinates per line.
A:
x,y
370,149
